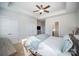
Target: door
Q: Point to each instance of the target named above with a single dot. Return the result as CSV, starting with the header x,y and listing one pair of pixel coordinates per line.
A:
x,y
57,29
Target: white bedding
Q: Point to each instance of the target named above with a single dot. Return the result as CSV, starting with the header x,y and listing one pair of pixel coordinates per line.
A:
x,y
48,46
33,41
52,47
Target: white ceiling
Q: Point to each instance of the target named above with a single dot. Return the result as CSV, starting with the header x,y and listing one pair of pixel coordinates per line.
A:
x,y
29,7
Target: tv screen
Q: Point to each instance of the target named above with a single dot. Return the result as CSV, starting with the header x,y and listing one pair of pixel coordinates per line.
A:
x,y
38,28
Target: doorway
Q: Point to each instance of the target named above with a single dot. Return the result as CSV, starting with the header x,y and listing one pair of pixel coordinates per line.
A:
x,y
55,31
40,26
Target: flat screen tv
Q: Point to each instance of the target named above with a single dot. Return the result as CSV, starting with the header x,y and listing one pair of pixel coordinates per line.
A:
x,y
38,27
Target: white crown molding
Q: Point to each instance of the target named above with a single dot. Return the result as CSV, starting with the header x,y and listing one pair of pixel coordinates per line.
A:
x,y
19,11
53,14
57,13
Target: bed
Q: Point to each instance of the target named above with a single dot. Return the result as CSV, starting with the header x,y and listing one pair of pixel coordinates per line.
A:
x,y
49,46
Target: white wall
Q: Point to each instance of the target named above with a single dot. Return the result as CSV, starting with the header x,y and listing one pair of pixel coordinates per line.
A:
x,y
26,25
67,22
78,18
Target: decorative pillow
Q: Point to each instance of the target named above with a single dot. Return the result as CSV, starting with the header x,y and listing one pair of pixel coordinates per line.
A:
x,y
32,43
67,43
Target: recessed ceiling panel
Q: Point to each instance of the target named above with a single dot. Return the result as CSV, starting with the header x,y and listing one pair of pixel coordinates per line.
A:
x,y
31,6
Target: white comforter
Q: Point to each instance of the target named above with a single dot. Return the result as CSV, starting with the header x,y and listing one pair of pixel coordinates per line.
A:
x,y
52,47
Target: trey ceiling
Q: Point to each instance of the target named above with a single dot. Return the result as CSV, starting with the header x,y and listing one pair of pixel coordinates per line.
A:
x,y
56,8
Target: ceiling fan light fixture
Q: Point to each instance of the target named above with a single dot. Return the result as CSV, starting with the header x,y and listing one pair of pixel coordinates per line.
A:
x,y
41,10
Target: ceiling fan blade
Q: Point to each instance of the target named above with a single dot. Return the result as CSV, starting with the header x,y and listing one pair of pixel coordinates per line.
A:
x,y
46,7
38,6
36,11
41,6
46,11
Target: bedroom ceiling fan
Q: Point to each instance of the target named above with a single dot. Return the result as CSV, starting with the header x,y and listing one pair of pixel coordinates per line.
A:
x,y
42,9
